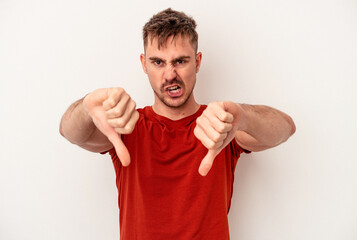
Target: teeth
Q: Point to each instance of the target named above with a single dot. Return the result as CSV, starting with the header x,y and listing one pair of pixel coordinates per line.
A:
x,y
173,88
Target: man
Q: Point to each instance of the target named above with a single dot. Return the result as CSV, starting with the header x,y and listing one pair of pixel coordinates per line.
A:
x,y
174,160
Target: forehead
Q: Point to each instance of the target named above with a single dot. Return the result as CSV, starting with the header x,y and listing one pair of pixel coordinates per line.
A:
x,y
178,45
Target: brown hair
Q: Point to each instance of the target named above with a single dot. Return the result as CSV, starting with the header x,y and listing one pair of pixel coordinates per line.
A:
x,y
170,23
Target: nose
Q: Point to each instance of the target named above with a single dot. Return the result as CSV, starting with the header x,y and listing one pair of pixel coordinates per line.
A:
x,y
170,73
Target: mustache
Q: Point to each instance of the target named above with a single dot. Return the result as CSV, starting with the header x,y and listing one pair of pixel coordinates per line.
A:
x,y
173,81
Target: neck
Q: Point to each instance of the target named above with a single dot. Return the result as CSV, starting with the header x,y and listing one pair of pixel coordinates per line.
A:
x,y
173,113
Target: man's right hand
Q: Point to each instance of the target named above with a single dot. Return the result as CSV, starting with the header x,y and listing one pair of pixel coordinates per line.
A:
x,y
114,113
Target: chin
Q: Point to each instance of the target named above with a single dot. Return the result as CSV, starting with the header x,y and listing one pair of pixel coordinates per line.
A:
x,y
174,102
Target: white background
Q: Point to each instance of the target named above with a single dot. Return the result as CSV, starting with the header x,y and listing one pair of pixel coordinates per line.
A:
x,y
296,55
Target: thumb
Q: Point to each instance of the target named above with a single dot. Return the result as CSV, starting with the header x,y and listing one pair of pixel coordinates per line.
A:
x,y
120,148
207,162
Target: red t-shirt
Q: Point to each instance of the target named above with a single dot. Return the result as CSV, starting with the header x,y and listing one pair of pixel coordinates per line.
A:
x,y
161,194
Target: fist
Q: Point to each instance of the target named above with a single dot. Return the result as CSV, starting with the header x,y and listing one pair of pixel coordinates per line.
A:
x,y
120,111
216,128
114,113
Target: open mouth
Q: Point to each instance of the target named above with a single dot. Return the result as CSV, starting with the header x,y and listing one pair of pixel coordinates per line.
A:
x,y
174,91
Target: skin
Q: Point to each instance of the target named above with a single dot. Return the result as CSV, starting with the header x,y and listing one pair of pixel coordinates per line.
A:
x,y
97,121
175,64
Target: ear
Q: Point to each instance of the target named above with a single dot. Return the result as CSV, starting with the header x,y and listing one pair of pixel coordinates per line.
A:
x,y
143,62
198,61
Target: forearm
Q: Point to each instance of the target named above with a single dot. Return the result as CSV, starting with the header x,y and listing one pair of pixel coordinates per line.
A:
x,y
76,125
269,126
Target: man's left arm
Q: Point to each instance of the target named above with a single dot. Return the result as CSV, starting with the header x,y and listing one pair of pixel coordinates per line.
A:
x,y
261,127
255,128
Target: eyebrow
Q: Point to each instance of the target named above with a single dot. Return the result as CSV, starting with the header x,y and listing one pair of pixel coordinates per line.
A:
x,y
173,60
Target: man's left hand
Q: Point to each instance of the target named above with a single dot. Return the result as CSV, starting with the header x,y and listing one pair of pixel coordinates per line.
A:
x,y
216,128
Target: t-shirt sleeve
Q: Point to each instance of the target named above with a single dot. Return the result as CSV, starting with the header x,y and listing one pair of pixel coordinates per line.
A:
x,y
237,150
112,153
115,159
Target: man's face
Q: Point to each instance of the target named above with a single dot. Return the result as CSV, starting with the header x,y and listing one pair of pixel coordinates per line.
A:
x,y
171,70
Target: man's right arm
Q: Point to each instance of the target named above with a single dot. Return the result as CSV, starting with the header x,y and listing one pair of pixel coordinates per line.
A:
x,y
78,128
96,121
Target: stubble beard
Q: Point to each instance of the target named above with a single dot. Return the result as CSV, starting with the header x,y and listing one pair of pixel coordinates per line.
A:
x,y
161,96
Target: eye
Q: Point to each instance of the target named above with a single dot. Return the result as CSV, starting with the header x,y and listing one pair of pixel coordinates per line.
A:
x,y
157,62
180,62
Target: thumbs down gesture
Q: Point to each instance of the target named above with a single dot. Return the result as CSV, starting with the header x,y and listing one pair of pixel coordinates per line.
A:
x,y
216,128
